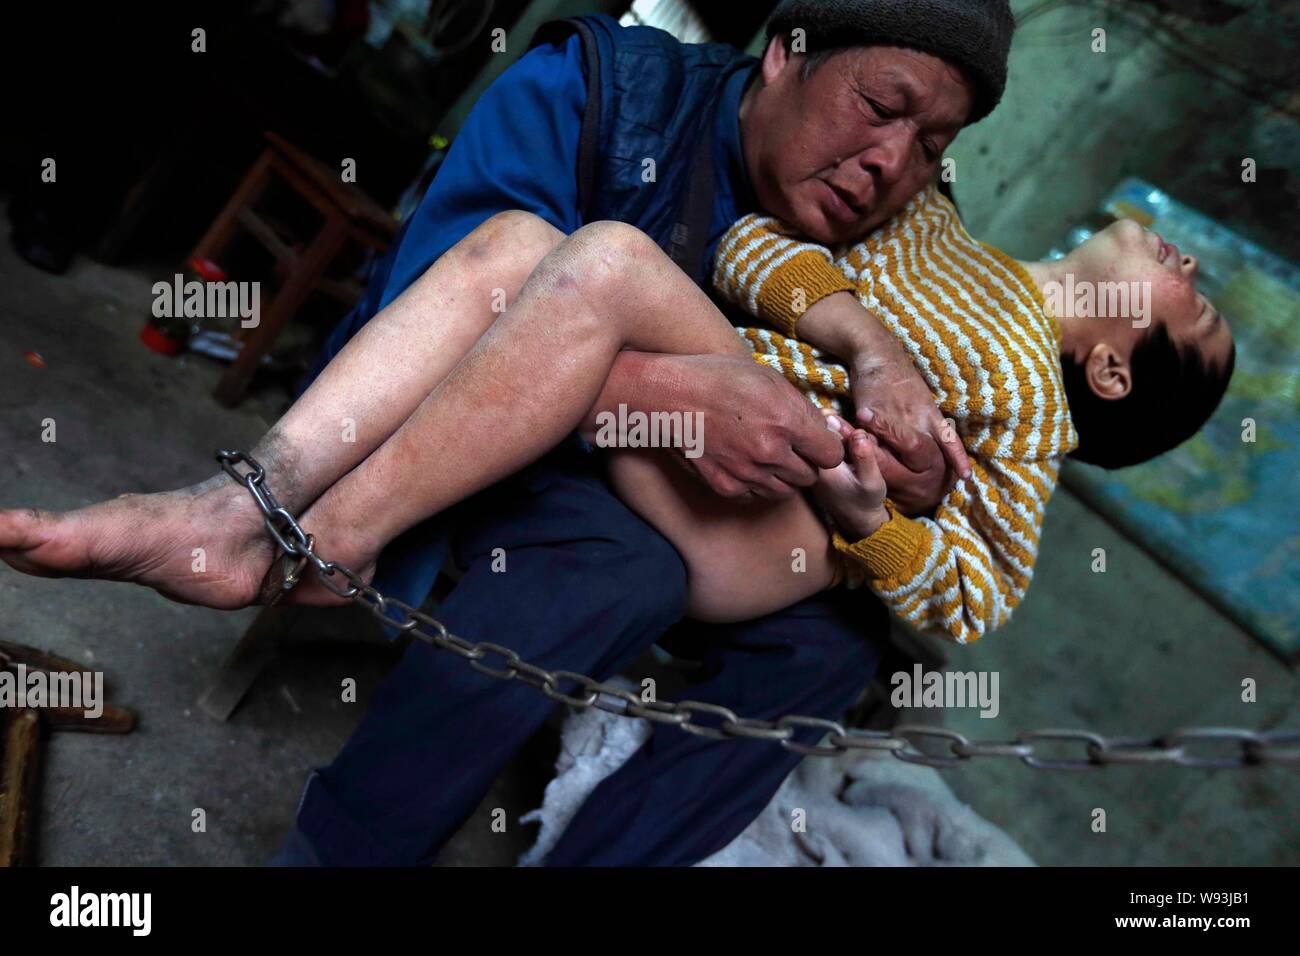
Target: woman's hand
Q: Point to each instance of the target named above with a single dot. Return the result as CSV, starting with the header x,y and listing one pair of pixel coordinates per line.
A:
x,y
853,493
761,437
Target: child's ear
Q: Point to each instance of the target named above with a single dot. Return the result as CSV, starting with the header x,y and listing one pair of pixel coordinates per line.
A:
x,y
1108,372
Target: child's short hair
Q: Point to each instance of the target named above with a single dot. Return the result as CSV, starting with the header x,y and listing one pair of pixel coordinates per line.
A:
x,y
1174,393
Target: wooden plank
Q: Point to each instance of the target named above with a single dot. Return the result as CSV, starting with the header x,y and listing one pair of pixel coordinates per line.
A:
x,y
113,720
38,660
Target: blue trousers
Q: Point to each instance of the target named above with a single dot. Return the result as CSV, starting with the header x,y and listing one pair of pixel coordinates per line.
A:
x,y
587,586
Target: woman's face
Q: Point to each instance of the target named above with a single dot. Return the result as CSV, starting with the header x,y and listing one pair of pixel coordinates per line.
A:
x,y
1126,252
837,154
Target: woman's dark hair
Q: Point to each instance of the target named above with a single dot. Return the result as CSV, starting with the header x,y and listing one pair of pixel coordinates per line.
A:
x,y
1174,393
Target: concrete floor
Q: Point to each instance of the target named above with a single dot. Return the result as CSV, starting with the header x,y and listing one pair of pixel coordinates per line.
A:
x,y
1131,651
131,420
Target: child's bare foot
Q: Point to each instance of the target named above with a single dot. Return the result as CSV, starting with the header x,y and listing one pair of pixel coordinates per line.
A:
x,y
206,544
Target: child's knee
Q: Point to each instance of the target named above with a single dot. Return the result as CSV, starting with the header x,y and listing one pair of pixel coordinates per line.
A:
x,y
609,257
513,233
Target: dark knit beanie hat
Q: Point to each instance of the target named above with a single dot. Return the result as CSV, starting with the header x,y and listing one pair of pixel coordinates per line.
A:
x,y
974,35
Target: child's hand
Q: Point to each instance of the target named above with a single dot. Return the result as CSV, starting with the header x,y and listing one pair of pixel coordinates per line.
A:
x,y
853,493
922,455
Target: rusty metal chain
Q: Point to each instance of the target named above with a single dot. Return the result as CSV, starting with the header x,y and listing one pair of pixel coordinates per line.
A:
x,y
1252,748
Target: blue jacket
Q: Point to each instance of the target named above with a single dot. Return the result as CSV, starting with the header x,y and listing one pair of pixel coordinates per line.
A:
x,y
566,133
646,155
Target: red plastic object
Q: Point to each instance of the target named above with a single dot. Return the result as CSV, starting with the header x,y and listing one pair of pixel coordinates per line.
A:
x,y
206,269
154,338
34,359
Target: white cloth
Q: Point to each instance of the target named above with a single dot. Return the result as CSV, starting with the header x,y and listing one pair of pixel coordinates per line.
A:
x,y
858,810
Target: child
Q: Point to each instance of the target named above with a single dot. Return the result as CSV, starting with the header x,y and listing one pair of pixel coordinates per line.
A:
x,y
1022,387
536,373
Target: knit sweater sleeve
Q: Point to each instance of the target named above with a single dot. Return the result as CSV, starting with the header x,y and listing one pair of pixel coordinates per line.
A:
x,y
765,269
961,574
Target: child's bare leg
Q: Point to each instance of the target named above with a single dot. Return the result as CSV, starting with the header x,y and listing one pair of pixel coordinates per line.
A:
x,y
742,560
374,383
528,382
388,368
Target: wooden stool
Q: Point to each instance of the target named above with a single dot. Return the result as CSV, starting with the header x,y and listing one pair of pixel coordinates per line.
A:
x,y
20,745
348,214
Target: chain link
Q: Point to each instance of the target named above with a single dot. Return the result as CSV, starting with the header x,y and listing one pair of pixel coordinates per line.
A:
x,y
1251,748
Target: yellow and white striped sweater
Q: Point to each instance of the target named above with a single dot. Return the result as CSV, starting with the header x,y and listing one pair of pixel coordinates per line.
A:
x,y
978,330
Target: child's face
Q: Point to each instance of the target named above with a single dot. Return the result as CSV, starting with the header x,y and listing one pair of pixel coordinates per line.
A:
x,y
1126,252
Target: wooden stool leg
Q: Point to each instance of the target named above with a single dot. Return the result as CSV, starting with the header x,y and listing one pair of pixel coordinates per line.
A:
x,y
226,224
329,240
259,646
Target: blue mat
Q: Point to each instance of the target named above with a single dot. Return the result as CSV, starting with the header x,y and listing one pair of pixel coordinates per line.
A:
x,y
1222,512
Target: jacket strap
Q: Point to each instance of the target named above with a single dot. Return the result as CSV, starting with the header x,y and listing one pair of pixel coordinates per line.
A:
x,y
589,138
